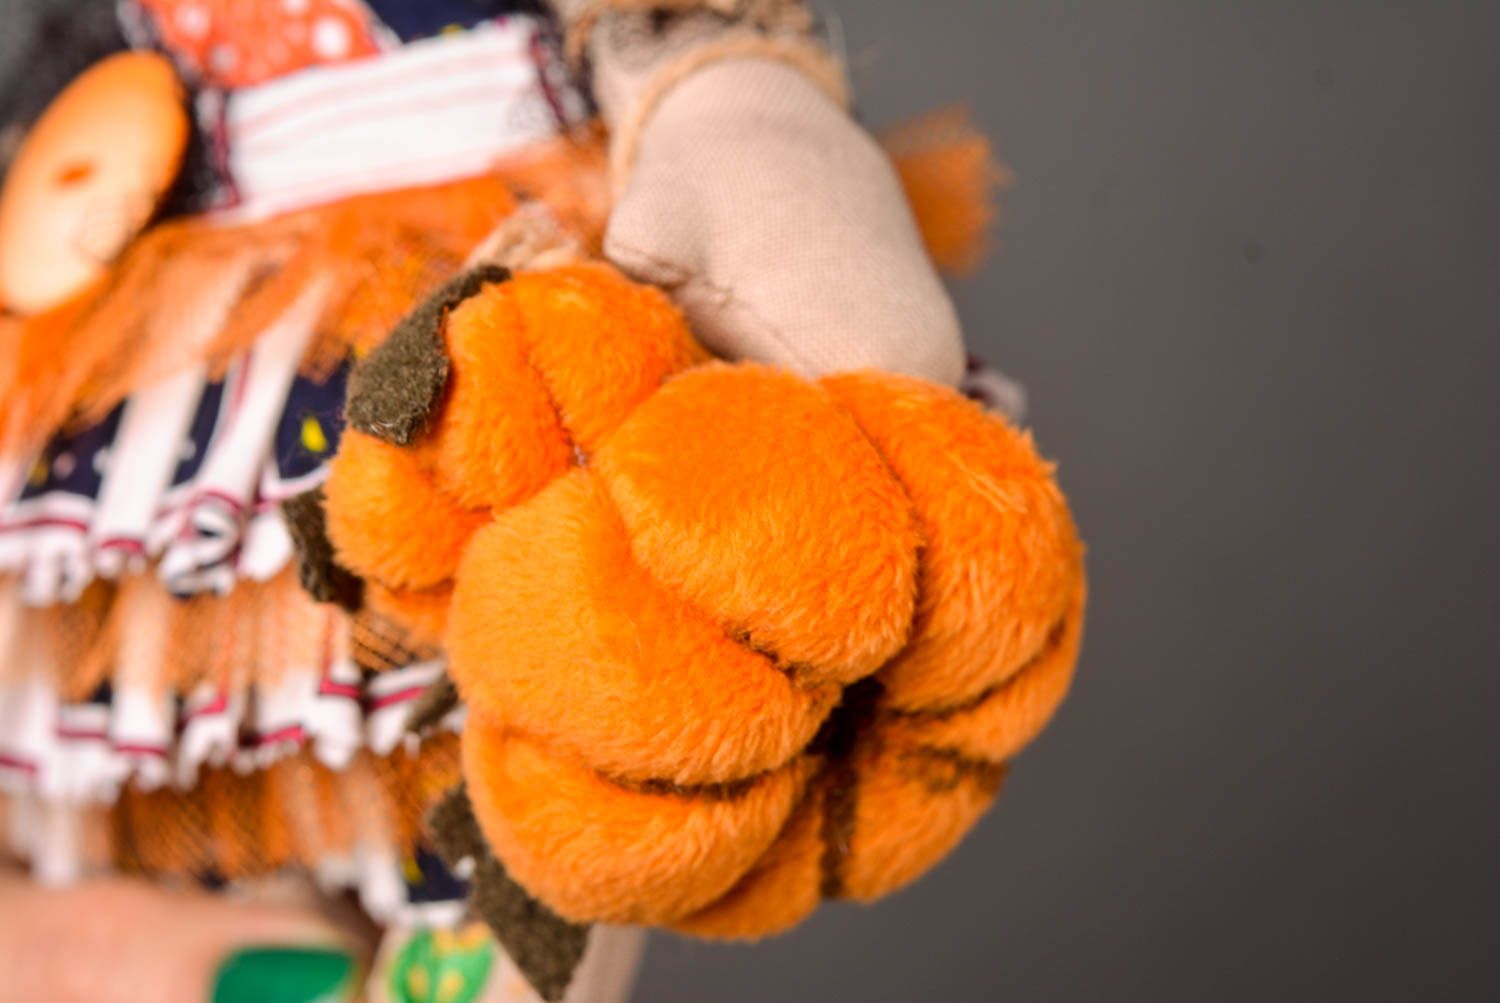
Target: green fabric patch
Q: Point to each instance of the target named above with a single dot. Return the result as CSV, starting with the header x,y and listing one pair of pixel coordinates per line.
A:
x,y
442,966
285,975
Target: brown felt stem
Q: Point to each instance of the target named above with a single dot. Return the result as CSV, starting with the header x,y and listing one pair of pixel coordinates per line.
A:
x,y
837,740
318,569
394,391
436,702
545,947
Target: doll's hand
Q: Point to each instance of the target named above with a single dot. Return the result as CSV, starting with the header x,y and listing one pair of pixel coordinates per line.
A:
x,y
124,941
781,229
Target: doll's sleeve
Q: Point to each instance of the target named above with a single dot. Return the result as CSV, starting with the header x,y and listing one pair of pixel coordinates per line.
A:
x,y
746,189
635,51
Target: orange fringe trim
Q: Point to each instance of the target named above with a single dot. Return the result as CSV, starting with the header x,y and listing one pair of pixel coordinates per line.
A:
x,y
195,289
250,637
295,813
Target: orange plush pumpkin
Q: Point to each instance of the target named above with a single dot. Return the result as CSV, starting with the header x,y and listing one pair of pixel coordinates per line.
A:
x,y
731,641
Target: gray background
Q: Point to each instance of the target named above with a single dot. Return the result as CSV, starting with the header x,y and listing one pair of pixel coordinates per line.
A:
x,y
1250,274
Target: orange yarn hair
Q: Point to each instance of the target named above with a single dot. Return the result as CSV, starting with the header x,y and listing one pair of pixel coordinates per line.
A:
x,y
732,641
193,289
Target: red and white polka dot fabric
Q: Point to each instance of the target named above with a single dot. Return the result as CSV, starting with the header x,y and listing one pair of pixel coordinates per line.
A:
x,y
240,43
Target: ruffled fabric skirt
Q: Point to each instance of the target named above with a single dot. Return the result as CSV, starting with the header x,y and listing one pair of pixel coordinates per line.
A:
x,y
171,701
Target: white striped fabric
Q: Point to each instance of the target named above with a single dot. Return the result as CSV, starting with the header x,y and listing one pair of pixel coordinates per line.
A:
x,y
224,490
435,110
145,453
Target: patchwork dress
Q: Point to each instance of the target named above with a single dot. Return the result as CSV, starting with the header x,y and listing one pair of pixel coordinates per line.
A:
x,y
171,702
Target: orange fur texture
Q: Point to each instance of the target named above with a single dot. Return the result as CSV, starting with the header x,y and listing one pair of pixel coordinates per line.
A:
x,y
194,289
732,642
950,176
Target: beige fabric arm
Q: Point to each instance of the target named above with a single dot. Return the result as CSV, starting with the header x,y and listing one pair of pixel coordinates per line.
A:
x,y
635,51
746,190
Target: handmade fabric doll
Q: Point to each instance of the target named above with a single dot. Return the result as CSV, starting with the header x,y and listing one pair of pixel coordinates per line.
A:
x,y
505,461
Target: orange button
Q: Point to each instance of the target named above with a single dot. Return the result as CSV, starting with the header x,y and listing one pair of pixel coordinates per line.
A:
x,y
88,178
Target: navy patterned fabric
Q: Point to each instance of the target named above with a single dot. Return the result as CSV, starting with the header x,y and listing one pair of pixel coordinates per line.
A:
x,y
429,880
308,433
205,423
74,464
413,19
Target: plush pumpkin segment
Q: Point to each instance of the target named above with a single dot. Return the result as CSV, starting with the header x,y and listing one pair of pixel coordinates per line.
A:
x,y
732,641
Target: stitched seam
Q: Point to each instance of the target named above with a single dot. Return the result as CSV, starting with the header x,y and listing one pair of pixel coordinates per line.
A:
x,y
1049,646
845,732
984,772
580,458
725,295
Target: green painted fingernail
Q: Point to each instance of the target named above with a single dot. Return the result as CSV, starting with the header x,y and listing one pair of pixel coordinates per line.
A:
x,y
285,975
